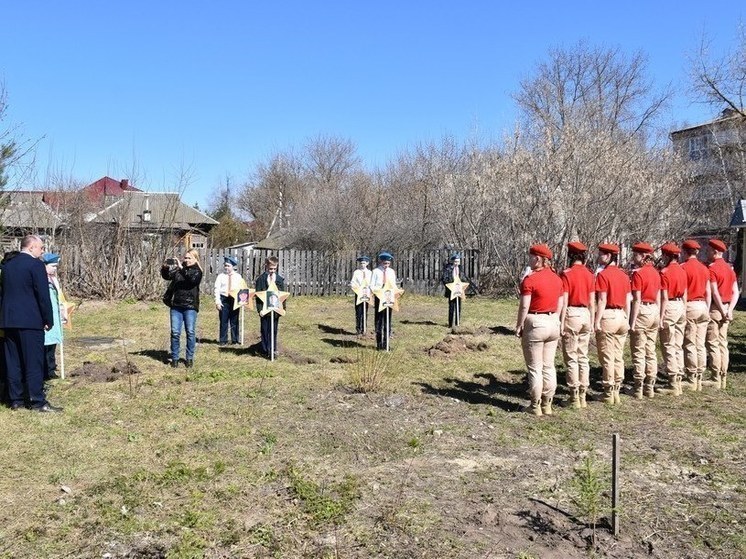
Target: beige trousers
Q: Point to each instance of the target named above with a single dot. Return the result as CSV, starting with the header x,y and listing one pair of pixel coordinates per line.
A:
x,y
716,342
672,337
610,344
697,319
575,343
539,341
642,344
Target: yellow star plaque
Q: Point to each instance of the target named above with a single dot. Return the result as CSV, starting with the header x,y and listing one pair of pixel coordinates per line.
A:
x,y
242,294
458,289
272,299
388,296
362,293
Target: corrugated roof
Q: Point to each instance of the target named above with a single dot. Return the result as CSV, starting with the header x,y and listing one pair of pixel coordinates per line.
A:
x,y
27,210
166,210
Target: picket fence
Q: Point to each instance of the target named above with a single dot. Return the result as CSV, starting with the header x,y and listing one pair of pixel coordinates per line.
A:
x,y
312,272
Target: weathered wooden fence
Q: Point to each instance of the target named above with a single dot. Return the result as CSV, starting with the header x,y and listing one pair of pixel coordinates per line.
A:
x,y
311,272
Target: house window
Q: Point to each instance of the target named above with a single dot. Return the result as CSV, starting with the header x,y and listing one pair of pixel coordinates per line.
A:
x,y
697,148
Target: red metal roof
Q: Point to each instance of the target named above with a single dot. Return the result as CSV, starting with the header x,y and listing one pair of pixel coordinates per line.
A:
x,y
106,186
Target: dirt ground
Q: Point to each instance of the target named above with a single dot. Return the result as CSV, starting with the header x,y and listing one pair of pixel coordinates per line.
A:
x,y
240,457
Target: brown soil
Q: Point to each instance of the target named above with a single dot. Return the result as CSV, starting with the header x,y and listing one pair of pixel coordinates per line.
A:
x,y
104,372
455,344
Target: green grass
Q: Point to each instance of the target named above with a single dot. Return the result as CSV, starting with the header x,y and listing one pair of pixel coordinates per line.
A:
x,y
240,457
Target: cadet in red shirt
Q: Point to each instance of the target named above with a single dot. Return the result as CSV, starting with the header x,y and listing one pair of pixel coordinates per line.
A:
x,y
645,319
538,326
697,314
673,315
577,321
612,320
725,294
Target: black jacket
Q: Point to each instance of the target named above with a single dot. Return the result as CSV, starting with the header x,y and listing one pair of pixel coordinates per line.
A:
x,y
184,285
262,284
25,288
447,277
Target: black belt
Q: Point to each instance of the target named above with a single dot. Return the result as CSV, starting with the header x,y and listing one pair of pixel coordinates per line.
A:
x,y
613,308
540,312
578,306
696,301
675,298
649,302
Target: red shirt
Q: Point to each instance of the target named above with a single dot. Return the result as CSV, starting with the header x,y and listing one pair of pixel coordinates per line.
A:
x,y
697,276
577,282
673,280
722,274
615,283
545,288
647,281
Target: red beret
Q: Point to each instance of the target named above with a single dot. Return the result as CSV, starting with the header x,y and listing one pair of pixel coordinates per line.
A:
x,y
671,249
577,246
541,250
691,244
717,244
609,248
643,248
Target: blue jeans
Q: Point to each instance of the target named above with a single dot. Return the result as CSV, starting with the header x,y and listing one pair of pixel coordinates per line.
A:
x,y
187,317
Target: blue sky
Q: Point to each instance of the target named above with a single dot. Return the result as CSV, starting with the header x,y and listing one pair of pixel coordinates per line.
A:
x,y
219,86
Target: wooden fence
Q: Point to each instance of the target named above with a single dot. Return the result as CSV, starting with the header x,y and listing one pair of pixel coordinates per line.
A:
x,y
311,272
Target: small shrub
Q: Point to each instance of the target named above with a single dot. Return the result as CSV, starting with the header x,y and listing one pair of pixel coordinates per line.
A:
x,y
368,372
588,483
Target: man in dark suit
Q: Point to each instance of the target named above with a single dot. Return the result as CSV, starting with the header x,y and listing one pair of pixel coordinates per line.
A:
x,y
263,282
25,314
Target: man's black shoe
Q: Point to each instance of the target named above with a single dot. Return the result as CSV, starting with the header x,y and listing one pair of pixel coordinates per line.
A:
x,y
174,364
15,406
189,363
48,408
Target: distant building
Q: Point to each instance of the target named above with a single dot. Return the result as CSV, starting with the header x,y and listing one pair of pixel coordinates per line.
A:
x,y
716,151
104,202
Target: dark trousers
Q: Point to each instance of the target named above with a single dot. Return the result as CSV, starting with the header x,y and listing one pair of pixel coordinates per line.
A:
x,y
361,311
50,362
228,316
381,325
452,312
3,376
265,323
24,359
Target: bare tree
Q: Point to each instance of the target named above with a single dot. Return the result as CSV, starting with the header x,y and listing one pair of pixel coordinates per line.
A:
x,y
719,163
721,80
16,152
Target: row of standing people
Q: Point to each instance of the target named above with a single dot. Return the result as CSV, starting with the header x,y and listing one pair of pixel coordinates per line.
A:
x,y
366,282
689,304
182,296
363,278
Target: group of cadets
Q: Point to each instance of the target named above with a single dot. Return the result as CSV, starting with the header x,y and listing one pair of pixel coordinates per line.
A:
x,y
373,281
690,304
228,284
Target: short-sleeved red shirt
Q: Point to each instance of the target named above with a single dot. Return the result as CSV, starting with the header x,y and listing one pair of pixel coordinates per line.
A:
x,y
577,282
545,288
673,280
615,283
722,274
697,276
647,281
